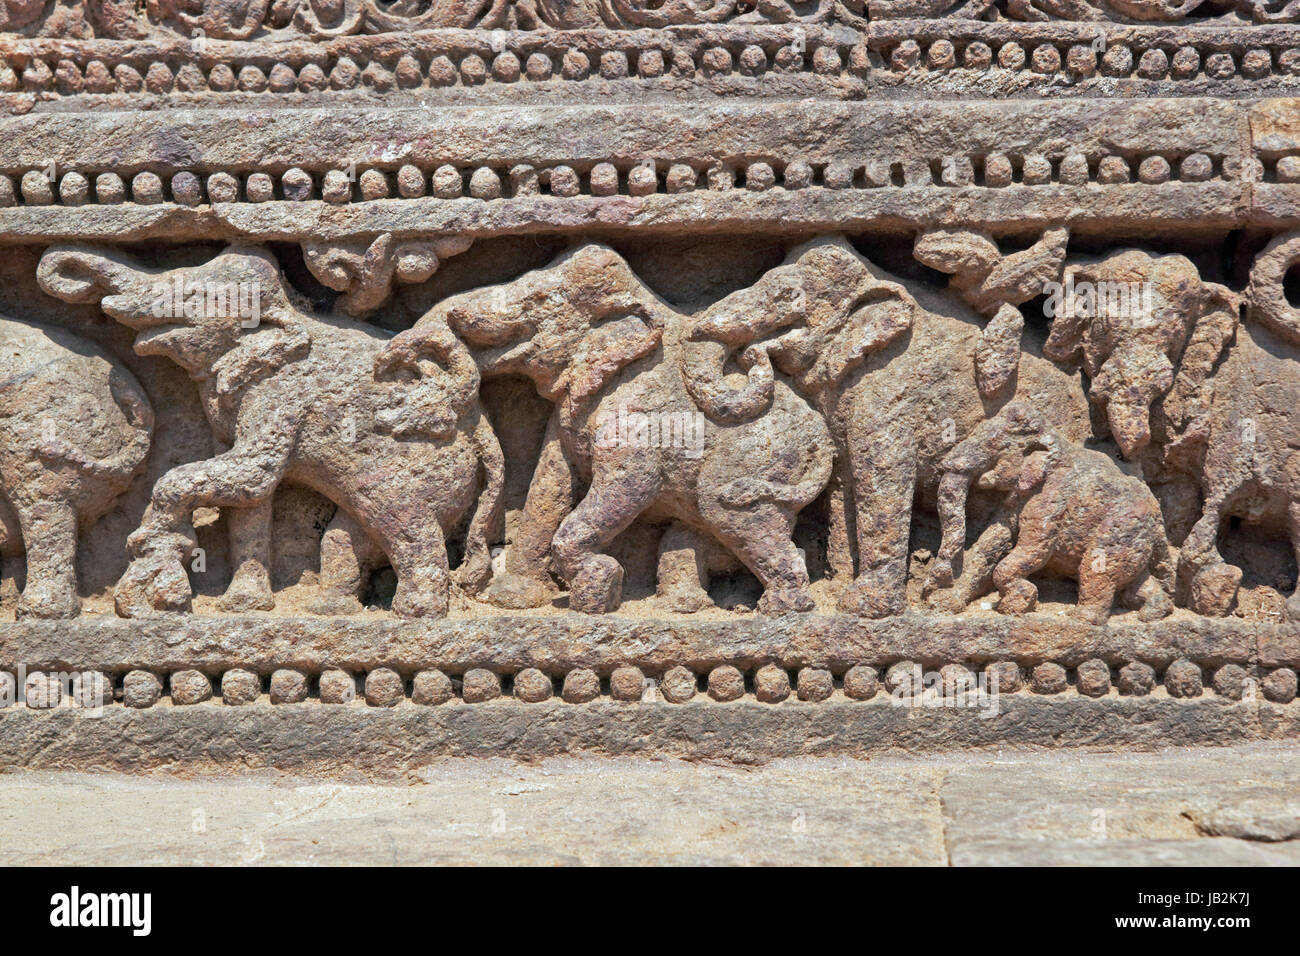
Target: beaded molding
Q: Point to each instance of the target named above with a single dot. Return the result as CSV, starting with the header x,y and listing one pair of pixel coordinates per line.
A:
x,y
73,188
771,684
442,59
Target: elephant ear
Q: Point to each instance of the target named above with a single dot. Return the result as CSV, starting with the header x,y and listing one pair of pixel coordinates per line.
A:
x,y
603,353
280,333
871,327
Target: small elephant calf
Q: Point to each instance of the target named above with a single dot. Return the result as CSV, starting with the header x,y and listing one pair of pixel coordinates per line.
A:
x,y
1072,512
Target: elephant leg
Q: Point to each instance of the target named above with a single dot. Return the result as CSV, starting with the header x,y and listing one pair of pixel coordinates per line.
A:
x,y
1214,581
1096,595
1119,555
1146,595
976,578
683,577
250,550
526,581
883,466
839,532
620,490
1099,573
759,535
406,529
49,527
423,574
1146,591
347,554
1011,576
242,477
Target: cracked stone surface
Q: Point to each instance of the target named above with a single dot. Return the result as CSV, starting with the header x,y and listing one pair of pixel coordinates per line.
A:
x,y
1226,806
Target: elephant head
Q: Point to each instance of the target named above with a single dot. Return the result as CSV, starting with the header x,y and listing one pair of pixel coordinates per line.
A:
x,y
445,387
569,327
1012,452
1148,331
994,455
229,317
815,317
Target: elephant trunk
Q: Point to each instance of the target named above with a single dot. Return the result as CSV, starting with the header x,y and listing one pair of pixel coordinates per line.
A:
x,y
703,371
85,274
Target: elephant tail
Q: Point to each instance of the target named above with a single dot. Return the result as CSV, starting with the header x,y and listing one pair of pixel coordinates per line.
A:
x,y
1164,562
485,525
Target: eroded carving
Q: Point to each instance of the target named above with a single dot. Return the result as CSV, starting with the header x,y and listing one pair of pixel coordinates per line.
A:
x,y
717,427
1069,510
610,354
75,428
292,396
366,272
896,384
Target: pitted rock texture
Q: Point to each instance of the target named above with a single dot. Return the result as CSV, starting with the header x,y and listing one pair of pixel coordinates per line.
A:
x,y
604,357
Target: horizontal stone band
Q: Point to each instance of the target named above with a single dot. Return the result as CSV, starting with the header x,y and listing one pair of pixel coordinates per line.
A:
x,y
556,644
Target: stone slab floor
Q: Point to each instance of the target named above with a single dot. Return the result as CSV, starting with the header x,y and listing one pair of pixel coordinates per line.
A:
x,y
1238,805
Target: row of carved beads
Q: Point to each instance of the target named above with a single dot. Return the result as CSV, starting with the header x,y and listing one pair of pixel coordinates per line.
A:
x,y
44,187
904,681
1117,61
409,72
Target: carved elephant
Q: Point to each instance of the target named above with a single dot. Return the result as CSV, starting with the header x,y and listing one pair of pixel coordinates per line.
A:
x,y
608,353
75,428
896,383
1203,401
1070,510
291,396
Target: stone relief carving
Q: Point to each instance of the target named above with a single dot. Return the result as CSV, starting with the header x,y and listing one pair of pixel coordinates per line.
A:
x,y
322,19
76,429
248,19
647,350
825,379
604,349
291,396
1069,509
365,272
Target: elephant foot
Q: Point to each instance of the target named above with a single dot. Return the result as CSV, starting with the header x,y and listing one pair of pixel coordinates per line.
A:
x,y
333,603
875,594
946,600
685,602
1020,597
784,601
473,574
47,603
516,592
1157,607
1214,589
598,587
939,578
1090,615
247,593
1293,607
155,582
421,601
